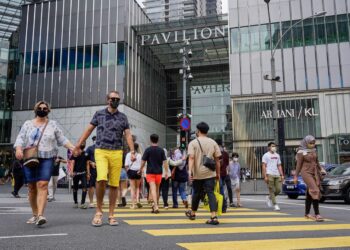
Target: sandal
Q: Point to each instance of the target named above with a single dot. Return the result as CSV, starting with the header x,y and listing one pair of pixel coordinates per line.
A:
x,y
112,221
310,216
154,211
213,221
97,220
239,205
319,218
190,215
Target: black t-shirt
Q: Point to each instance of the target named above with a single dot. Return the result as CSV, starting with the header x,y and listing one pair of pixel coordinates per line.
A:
x,y
154,156
80,162
56,166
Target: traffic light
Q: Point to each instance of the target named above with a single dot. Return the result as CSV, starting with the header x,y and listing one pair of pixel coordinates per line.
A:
x,y
183,139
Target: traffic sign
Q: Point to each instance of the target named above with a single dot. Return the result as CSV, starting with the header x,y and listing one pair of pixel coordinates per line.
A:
x,y
185,123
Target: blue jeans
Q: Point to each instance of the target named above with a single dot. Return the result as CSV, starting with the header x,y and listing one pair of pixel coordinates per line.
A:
x,y
181,186
39,173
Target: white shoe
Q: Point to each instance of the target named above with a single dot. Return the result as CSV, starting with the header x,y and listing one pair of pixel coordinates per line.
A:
x,y
276,208
268,201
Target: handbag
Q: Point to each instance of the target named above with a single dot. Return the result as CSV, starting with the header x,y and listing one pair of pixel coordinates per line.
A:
x,y
206,161
30,154
219,199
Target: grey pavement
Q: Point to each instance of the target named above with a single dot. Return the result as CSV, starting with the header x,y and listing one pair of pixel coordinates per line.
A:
x,y
69,228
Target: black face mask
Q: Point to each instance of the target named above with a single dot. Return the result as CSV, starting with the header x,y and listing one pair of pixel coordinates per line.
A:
x,y
41,113
114,103
82,147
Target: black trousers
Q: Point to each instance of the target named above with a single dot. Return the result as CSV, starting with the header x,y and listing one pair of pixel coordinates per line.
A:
x,y
76,179
19,181
225,180
164,187
200,188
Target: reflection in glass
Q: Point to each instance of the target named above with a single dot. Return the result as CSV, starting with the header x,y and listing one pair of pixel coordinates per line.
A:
x,y
72,59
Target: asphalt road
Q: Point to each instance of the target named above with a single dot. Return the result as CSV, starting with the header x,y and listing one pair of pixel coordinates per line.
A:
x,y
253,227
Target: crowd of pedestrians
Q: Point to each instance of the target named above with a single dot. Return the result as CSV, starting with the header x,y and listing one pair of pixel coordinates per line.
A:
x,y
195,172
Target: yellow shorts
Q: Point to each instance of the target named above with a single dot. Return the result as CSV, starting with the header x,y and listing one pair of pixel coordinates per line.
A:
x,y
109,165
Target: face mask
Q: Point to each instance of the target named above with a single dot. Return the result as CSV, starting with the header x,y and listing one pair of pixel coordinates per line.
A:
x,y
274,149
114,103
82,147
235,159
41,113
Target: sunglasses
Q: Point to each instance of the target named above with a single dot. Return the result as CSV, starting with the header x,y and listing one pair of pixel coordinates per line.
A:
x,y
43,109
114,99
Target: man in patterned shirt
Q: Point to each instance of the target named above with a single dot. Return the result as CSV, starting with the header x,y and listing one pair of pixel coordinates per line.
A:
x,y
111,125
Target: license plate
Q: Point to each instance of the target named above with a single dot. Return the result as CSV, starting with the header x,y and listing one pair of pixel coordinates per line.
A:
x,y
290,187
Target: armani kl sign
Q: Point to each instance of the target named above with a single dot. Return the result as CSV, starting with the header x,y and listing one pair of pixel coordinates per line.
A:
x,y
183,35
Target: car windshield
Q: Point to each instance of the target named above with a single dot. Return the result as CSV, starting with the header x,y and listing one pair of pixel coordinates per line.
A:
x,y
342,170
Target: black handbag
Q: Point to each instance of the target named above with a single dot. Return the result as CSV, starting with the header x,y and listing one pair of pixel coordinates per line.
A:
x,y
206,161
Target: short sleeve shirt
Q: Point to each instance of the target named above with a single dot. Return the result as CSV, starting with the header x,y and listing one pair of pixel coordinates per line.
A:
x,y
80,162
155,156
91,153
210,149
272,161
110,129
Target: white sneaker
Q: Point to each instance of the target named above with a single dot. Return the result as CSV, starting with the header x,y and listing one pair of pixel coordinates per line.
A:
x,y
276,208
268,201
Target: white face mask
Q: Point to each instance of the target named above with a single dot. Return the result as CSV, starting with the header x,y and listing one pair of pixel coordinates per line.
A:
x,y
274,149
235,159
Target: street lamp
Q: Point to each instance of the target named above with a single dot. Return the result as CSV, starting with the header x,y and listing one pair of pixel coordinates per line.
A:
x,y
185,71
275,78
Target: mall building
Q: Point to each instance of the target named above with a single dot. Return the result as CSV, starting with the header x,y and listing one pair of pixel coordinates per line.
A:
x,y
313,63
73,52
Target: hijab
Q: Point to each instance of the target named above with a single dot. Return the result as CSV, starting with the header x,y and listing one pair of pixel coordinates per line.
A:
x,y
303,145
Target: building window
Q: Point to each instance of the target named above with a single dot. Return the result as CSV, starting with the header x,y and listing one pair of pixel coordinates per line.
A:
x,y
72,59
64,59
80,58
121,53
87,57
320,30
57,60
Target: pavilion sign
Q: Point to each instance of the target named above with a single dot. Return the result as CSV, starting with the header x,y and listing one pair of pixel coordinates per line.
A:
x,y
183,35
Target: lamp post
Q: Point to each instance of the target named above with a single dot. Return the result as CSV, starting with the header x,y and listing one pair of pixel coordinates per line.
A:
x,y
275,78
185,71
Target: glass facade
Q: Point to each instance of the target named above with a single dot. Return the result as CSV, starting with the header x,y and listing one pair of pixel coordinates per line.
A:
x,y
316,31
8,72
79,58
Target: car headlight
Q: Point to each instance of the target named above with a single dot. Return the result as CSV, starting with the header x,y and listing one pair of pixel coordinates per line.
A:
x,y
335,182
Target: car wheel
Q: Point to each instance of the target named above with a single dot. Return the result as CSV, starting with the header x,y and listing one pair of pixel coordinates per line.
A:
x,y
293,196
347,196
322,199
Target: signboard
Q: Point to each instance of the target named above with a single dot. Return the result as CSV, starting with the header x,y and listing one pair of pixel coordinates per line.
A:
x,y
185,123
183,35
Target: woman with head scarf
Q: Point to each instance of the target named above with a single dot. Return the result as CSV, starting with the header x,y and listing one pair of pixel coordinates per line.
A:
x,y
310,169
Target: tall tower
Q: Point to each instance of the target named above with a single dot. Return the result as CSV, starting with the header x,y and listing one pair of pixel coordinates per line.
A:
x,y
170,10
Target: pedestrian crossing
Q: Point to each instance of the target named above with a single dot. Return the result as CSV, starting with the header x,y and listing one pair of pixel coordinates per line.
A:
x,y
250,228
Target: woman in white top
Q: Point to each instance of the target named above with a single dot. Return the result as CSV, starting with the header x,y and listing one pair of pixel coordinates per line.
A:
x,y
38,177
132,168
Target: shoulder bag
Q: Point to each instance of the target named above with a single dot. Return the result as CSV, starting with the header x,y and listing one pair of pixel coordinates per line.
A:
x,y
206,161
30,155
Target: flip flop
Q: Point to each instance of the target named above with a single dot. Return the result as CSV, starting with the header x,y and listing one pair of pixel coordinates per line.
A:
x,y
112,221
97,220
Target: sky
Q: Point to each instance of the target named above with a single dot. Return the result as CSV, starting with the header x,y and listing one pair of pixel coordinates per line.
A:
x,y
224,5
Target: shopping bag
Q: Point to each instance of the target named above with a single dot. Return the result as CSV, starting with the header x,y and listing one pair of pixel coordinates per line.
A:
x,y
219,199
62,174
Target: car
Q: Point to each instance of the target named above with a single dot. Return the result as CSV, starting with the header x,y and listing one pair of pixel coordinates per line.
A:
x,y
293,191
336,184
